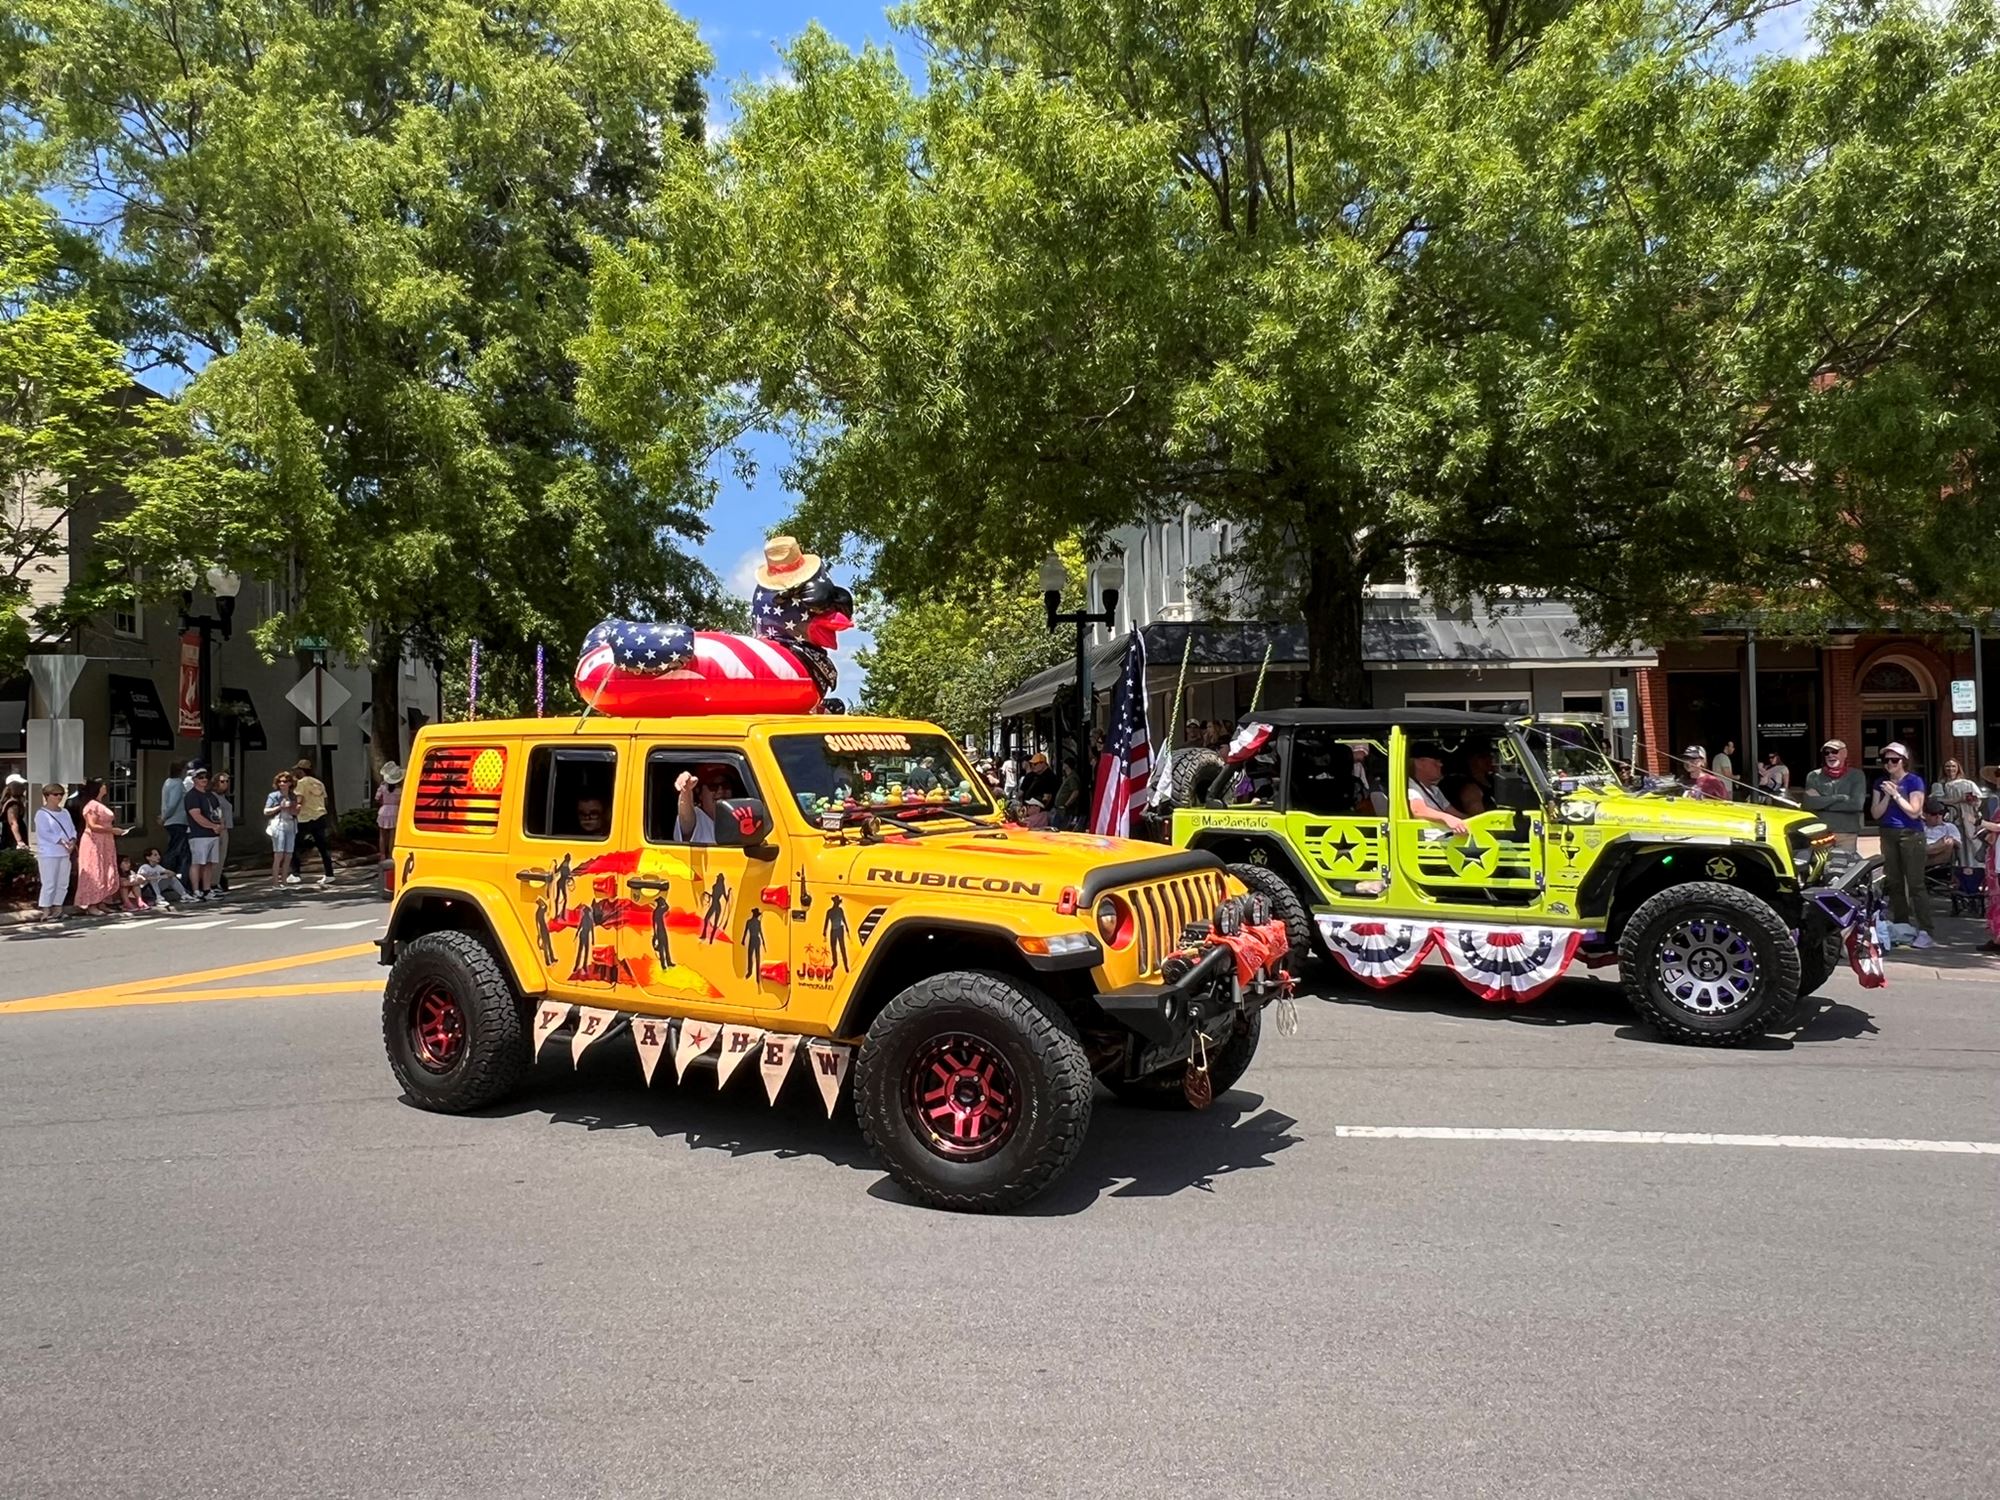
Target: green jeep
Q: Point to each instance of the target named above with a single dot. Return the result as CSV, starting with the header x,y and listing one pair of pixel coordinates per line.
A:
x,y
1716,913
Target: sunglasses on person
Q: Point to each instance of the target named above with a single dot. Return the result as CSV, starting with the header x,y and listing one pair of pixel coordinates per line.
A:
x,y
1893,760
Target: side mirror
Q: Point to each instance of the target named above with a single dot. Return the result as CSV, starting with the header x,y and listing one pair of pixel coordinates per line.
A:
x,y
741,823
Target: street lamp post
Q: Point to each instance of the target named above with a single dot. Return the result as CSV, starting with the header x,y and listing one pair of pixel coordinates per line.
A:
x,y
1110,579
223,584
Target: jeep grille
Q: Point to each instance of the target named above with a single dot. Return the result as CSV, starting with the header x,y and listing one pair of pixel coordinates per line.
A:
x,y
1161,908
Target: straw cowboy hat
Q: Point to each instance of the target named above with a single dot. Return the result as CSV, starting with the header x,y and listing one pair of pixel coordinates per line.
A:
x,y
392,774
785,565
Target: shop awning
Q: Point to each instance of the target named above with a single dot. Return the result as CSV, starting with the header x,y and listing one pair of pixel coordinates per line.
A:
x,y
137,701
1396,634
237,707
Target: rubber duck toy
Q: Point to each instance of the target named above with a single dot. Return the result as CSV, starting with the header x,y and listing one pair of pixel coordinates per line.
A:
x,y
642,669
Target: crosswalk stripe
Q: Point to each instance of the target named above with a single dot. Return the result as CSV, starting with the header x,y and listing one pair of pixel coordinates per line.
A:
x,y
198,926
342,926
267,926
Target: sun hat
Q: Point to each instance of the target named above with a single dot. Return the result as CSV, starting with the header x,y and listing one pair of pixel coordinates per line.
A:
x,y
785,564
392,774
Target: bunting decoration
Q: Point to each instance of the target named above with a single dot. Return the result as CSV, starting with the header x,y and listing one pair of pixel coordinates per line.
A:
x,y
828,1062
738,1042
591,1024
549,1015
1496,963
696,1038
650,1035
779,1046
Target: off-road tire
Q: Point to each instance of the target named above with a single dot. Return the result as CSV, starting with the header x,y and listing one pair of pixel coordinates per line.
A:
x,y
1194,775
1226,1066
1774,997
1050,1076
1287,908
493,1060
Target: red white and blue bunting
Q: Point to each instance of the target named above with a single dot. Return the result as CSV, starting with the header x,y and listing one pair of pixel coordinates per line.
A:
x,y
1495,963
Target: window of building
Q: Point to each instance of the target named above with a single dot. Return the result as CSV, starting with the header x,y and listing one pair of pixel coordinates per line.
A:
x,y
569,793
1173,568
1583,703
127,619
1512,707
1892,679
122,773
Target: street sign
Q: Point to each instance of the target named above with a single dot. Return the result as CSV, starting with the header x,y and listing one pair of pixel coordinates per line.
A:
x,y
1621,708
319,696
1961,696
1964,729
312,643
312,739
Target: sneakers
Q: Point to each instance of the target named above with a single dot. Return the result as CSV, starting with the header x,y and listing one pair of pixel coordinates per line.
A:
x,y
1924,940
325,881
291,880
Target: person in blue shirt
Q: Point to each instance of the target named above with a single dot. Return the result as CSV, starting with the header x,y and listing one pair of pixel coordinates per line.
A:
x,y
1898,809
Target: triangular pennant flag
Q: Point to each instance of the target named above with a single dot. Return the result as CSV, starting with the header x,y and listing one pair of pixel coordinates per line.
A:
x,y
650,1035
548,1016
591,1026
776,1061
738,1042
828,1061
696,1038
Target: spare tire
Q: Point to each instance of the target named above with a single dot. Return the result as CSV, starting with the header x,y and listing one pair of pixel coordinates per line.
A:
x,y
1195,773
1287,908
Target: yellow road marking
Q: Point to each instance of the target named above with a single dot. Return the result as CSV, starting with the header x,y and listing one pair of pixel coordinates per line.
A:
x,y
185,986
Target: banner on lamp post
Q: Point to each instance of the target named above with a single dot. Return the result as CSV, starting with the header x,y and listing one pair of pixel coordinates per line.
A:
x,y
190,694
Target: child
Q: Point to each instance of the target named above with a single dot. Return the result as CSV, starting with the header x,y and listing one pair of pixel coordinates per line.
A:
x,y
160,880
129,882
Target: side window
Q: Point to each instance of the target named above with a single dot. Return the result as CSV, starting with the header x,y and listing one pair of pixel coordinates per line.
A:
x,y
569,793
1340,772
718,774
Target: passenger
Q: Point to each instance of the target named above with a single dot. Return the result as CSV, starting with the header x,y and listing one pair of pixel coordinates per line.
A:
x,y
699,790
1427,799
1471,792
590,816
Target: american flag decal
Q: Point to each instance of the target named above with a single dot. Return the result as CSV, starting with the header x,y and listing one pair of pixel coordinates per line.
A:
x,y
459,789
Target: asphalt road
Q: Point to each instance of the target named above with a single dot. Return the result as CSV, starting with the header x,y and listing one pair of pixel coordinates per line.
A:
x,y
237,1265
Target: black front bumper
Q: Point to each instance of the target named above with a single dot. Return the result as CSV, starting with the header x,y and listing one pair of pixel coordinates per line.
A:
x,y
1168,1013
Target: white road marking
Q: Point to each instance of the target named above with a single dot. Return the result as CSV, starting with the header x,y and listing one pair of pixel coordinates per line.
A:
x,y
198,926
343,926
267,926
1661,1138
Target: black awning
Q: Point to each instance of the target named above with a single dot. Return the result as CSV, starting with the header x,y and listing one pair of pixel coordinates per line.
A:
x,y
238,709
138,702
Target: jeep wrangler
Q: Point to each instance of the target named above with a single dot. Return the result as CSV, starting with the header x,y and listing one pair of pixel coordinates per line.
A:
x,y
1716,913
833,889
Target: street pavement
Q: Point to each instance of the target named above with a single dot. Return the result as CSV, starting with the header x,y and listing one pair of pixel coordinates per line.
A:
x,y
238,1265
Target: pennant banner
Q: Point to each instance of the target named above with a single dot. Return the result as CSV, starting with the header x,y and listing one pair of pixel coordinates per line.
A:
x,y
829,1062
549,1015
591,1025
696,1038
776,1061
738,1042
650,1035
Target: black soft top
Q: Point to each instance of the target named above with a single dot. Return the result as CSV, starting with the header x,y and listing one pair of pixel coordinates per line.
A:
x,y
1358,718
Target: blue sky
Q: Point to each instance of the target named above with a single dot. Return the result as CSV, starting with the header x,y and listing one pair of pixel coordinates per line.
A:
x,y
745,38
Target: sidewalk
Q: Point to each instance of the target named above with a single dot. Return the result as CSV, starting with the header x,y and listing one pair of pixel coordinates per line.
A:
x,y
252,883
1956,955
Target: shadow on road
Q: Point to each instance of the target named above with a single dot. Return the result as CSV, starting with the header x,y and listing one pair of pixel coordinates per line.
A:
x,y
1129,1153
1572,1001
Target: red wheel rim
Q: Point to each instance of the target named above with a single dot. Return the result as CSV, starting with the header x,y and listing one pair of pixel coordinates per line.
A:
x,y
437,1030
961,1097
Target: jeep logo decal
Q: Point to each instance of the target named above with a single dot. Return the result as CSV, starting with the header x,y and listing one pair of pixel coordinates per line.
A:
x,y
992,884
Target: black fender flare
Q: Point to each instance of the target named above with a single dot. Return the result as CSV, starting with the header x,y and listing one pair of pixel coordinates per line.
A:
x,y
1240,846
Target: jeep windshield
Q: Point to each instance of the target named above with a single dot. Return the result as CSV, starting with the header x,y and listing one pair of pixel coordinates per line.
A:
x,y
902,777
1569,751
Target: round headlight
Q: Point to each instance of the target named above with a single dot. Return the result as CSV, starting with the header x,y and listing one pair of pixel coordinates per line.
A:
x,y
1114,921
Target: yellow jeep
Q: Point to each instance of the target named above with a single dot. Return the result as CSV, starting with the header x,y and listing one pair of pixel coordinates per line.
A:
x,y
803,891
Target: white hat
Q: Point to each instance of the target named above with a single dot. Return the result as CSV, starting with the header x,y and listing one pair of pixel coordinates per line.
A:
x,y
15,778
1896,748
1694,752
392,774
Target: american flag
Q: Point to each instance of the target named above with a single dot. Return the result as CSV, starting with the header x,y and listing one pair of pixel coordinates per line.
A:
x,y
1128,752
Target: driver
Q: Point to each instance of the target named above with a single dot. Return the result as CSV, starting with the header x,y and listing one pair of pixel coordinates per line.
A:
x,y
699,790
1427,800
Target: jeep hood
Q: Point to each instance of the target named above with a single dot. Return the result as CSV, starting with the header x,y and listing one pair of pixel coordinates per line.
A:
x,y
1021,864
1685,817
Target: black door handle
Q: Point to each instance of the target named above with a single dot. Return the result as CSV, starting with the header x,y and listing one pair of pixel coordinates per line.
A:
x,y
533,877
638,885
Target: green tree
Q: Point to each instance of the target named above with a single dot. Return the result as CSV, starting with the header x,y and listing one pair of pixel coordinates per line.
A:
x,y
67,425
1560,296
952,659
366,235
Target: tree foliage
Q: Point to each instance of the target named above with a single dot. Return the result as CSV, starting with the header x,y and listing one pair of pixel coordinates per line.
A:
x,y
951,659
365,234
1563,295
67,425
